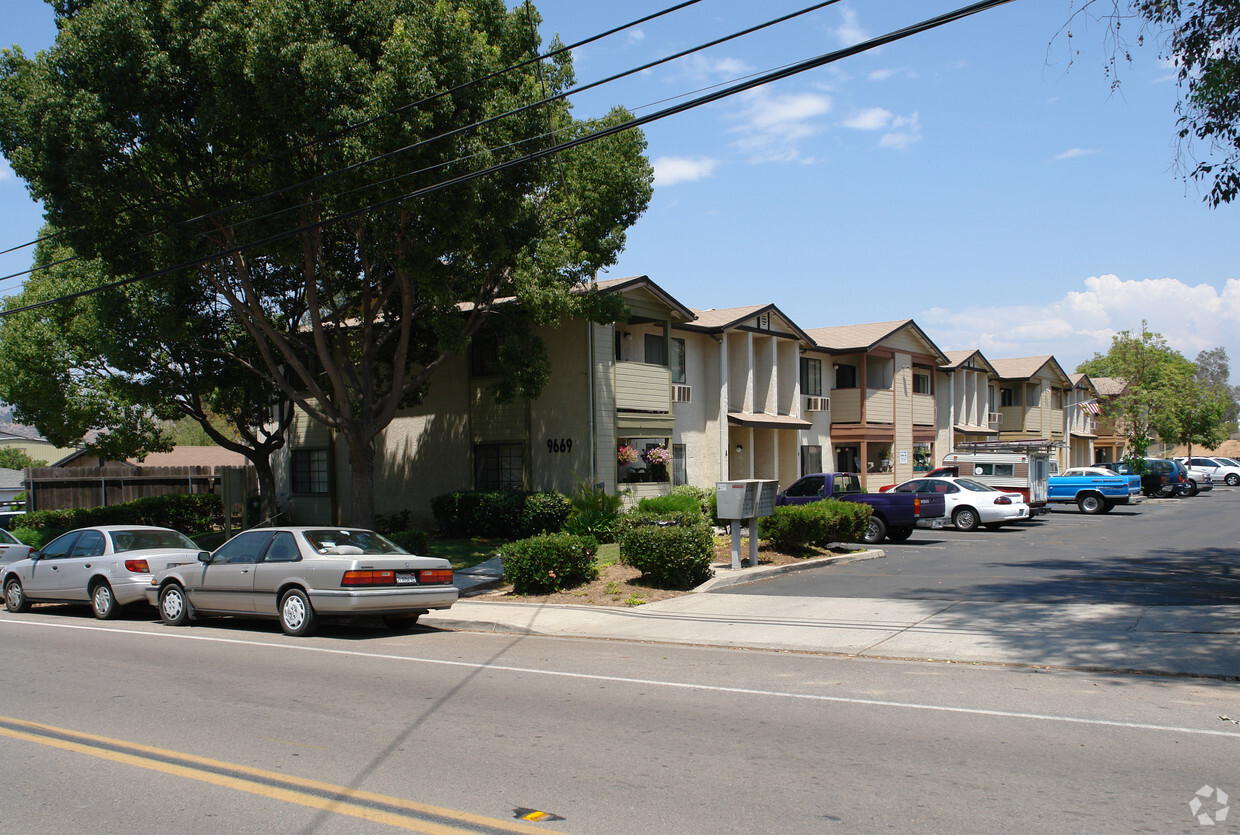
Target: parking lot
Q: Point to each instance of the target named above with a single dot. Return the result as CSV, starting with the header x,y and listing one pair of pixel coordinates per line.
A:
x,y
1181,552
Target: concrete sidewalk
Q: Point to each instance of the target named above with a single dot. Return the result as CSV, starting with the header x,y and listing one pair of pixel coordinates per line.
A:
x,y
1183,640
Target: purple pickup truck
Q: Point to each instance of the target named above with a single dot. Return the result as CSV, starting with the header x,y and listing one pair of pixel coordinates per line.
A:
x,y
894,514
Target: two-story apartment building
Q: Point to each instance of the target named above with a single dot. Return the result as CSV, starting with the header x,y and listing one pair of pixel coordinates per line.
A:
x,y
1081,420
1031,399
965,401
1111,443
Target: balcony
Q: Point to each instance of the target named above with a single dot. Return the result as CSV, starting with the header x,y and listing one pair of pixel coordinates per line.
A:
x,y
643,387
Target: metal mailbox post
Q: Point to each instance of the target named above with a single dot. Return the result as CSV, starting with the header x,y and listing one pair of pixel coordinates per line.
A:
x,y
745,499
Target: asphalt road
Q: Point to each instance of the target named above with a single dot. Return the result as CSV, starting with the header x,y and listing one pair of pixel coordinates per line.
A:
x,y
1161,552
133,727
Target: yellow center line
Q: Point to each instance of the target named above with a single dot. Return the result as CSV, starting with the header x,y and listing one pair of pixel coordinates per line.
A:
x,y
337,803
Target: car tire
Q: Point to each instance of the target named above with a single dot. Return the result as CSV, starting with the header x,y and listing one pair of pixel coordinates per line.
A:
x,y
1090,503
1232,479
1190,489
875,531
1165,492
1107,507
103,602
965,519
899,534
15,599
297,617
173,606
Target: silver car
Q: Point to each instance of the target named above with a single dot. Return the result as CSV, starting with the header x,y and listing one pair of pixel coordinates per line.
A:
x,y
297,574
109,567
12,549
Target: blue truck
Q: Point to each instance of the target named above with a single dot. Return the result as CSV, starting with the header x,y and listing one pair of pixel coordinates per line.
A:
x,y
1093,489
893,516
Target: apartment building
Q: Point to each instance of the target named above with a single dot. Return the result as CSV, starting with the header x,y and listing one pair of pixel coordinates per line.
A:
x,y
1031,400
965,401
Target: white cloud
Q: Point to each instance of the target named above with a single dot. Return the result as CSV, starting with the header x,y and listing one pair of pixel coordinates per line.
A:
x,y
905,131
1071,153
671,170
849,31
1192,318
636,36
774,125
873,118
701,68
881,75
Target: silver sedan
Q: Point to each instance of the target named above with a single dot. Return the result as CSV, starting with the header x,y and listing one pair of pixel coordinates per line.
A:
x,y
296,574
12,549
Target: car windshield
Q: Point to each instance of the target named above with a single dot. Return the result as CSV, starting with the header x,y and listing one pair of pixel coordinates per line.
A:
x,y
976,486
5,536
140,540
1228,462
337,541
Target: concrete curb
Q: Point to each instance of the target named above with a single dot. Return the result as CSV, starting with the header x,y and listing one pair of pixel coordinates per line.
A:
x,y
726,576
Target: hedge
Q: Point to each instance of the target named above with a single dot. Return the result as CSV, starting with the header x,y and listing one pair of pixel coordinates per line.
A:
x,y
547,563
188,513
672,550
502,514
793,527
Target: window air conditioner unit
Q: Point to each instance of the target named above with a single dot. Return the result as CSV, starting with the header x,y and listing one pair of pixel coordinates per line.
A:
x,y
817,404
682,393
995,418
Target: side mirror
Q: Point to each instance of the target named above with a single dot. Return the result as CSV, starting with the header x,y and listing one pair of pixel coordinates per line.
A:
x,y
204,556
35,555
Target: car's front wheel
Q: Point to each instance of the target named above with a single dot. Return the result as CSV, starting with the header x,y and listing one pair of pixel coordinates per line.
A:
x,y
965,519
173,607
103,603
297,617
15,596
875,531
1232,479
1190,489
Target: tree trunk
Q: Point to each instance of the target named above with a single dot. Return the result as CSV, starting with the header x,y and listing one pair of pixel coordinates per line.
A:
x,y
362,463
268,507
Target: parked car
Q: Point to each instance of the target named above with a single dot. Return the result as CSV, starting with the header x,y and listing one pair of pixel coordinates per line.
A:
x,y
1094,489
108,566
1192,483
893,516
969,503
1220,469
296,574
12,549
1160,478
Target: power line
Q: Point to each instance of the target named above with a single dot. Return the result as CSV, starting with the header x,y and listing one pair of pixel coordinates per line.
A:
x,y
757,81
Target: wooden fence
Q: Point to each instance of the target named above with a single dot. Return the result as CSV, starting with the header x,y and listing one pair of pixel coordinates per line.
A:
x,y
61,488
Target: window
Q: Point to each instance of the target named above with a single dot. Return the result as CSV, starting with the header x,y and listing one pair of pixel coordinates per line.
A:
x,y
811,459
845,376
678,360
811,377
921,383
990,398
812,486
923,457
1033,395
90,544
283,549
878,372
654,349
1006,397
484,354
878,458
680,461
243,548
1000,470
498,467
309,471
1056,398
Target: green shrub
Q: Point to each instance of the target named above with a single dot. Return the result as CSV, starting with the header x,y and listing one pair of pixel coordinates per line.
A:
x,y
188,512
544,513
413,541
672,551
595,513
793,527
37,538
549,562
392,524
705,497
670,504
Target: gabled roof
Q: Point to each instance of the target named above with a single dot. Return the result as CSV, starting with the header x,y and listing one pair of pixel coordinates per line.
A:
x,y
621,285
1083,381
849,338
716,321
1025,368
957,359
18,432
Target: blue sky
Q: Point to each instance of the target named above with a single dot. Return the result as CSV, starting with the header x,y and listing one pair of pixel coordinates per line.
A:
x,y
973,178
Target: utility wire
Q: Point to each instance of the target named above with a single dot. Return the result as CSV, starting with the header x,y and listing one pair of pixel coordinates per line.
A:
x,y
342,132
454,132
757,81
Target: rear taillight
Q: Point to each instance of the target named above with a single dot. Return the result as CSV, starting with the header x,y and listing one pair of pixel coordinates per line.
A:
x,y
435,576
137,566
917,505
369,577
1003,500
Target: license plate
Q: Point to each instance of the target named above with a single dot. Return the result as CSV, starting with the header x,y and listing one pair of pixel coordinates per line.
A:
x,y
406,579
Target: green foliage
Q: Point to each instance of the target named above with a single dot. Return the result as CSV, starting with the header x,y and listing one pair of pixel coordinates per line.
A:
x,y
36,538
413,541
547,563
545,513
12,458
672,551
793,527
670,504
187,513
595,513
704,496
500,514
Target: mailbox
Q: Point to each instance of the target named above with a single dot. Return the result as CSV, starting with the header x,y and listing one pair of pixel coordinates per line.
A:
x,y
745,498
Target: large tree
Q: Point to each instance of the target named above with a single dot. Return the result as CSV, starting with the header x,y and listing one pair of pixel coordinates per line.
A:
x,y
321,155
1214,373
1201,39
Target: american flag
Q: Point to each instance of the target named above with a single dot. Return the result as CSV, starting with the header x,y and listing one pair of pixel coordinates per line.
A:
x,y
1091,406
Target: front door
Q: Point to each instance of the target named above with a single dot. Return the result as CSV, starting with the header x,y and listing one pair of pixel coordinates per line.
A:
x,y
77,568
46,573
226,584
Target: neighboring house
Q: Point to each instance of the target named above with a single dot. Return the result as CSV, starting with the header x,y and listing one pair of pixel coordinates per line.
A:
x,y
883,416
743,411
1031,400
1081,420
182,456
29,441
1111,443
610,386
965,401
12,485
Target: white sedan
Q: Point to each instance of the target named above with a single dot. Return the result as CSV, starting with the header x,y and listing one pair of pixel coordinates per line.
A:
x,y
970,503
